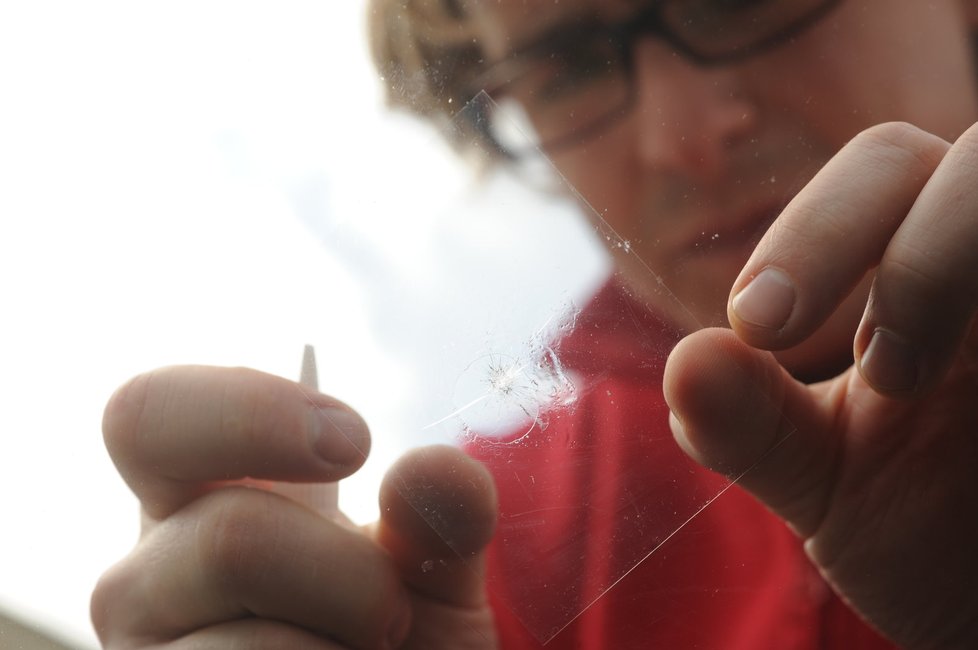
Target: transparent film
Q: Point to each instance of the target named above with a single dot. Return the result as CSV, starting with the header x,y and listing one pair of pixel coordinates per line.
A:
x,y
540,354
561,399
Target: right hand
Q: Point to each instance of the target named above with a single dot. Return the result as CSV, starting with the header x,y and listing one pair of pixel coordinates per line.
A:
x,y
222,563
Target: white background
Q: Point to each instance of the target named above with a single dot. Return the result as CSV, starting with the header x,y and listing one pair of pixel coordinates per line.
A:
x,y
217,182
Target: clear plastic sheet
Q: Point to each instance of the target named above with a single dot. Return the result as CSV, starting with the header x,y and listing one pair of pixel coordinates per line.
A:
x,y
551,410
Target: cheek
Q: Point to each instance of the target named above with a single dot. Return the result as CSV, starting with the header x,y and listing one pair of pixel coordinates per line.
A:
x,y
609,186
813,89
630,200
599,172
862,74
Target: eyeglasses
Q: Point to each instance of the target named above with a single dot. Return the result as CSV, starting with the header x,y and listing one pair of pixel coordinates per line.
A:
x,y
579,79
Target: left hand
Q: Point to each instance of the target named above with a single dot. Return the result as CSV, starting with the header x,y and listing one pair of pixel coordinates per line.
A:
x,y
874,469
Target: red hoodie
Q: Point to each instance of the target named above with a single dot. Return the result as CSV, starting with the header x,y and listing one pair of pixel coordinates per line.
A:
x,y
602,485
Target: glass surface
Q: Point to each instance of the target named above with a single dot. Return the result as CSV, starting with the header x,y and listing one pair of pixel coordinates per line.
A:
x,y
543,378
158,217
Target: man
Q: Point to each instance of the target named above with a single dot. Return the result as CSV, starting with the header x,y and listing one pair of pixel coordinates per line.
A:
x,y
863,284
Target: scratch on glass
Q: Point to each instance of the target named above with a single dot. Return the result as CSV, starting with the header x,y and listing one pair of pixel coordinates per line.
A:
x,y
510,391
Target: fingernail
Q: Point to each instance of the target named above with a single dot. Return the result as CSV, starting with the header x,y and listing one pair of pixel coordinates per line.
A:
x,y
889,362
767,301
338,434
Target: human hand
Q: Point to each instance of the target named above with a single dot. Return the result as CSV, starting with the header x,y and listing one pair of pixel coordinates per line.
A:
x,y
223,563
875,468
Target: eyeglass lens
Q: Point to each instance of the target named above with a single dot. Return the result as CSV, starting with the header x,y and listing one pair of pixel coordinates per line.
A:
x,y
571,89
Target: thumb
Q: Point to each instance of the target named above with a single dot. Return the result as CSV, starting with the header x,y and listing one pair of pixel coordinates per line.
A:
x,y
736,411
438,512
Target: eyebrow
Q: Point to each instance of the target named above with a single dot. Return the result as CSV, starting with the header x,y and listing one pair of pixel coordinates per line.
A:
x,y
573,25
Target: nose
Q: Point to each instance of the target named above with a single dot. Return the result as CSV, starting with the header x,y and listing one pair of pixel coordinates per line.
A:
x,y
688,118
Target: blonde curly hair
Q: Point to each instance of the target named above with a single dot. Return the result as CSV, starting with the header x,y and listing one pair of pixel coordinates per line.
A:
x,y
428,56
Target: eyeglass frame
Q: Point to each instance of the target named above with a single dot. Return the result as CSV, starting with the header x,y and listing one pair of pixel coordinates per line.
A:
x,y
623,36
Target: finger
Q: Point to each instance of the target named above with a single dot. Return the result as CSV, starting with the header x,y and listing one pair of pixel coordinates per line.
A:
x,y
926,288
831,234
253,634
173,431
735,409
438,512
239,553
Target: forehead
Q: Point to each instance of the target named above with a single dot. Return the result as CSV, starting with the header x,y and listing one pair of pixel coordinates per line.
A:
x,y
507,25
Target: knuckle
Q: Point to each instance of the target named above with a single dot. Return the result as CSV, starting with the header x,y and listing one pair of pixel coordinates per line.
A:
x,y
246,539
902,145
966,146
808,243
919,301
963,158
890,132
237,536
917,276
921,305
107,605
252,411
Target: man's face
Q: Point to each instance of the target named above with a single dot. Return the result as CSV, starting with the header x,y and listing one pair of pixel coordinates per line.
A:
x,y
708,157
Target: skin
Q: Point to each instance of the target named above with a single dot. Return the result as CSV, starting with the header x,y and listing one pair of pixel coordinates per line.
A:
x,y
221,563
875,476
698,153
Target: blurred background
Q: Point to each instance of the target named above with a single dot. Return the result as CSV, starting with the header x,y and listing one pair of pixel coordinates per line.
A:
x,y
219,182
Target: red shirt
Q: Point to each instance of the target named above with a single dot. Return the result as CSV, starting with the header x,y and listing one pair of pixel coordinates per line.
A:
x,y
603,484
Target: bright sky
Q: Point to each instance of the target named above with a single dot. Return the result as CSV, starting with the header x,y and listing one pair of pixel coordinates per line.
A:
x,y
216,182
